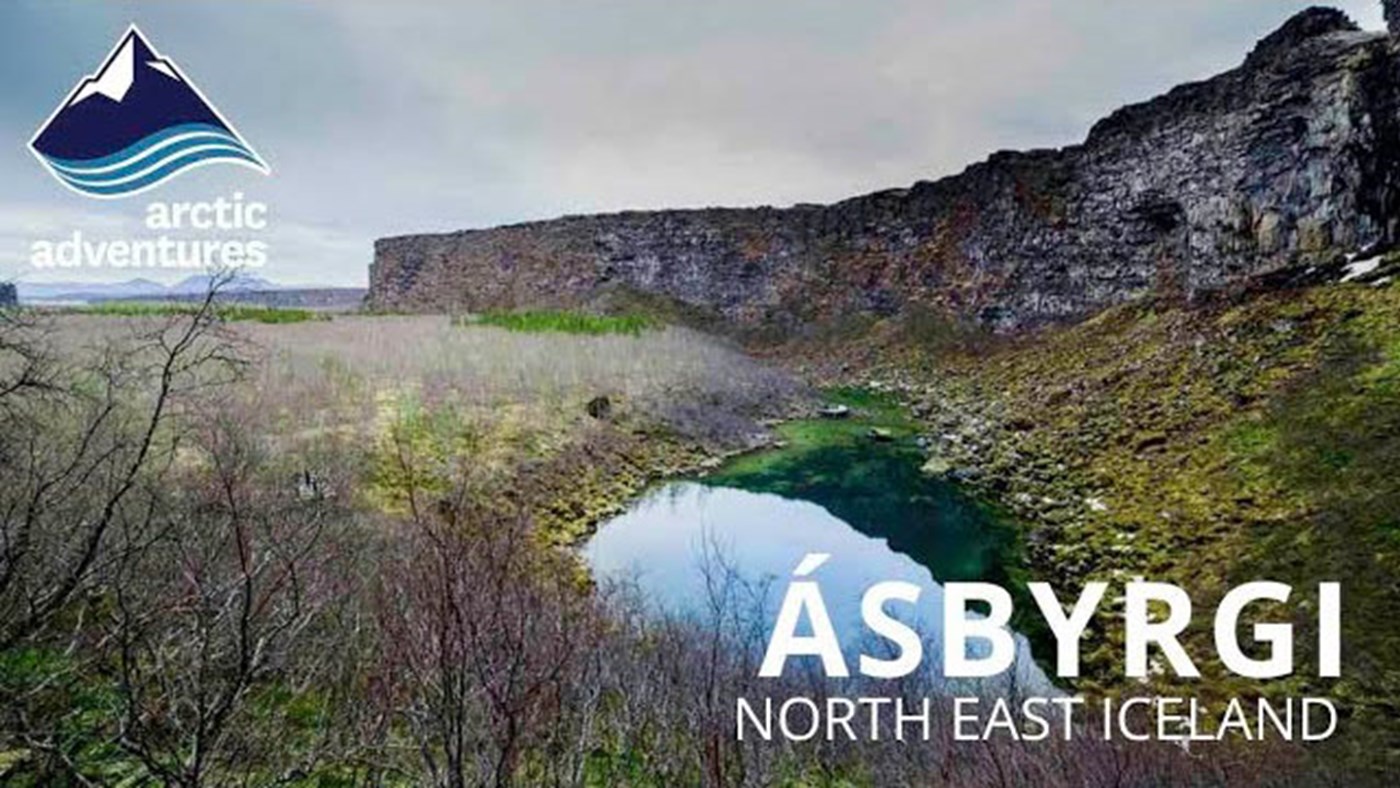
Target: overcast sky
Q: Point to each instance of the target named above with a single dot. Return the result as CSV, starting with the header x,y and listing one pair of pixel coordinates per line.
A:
x,y
389,118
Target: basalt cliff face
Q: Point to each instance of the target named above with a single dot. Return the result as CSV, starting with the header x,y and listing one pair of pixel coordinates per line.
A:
x,y
1291,159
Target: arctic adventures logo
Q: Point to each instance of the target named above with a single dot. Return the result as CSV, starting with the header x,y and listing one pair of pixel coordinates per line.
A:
x,y
136,123
133,125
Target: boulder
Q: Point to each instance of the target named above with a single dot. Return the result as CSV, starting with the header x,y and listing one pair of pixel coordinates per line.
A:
x,y
600,408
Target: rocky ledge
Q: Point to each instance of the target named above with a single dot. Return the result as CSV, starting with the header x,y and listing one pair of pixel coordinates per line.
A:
x,y
1291,158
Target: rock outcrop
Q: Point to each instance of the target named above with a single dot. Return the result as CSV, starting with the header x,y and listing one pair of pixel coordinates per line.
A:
x,y
1292,158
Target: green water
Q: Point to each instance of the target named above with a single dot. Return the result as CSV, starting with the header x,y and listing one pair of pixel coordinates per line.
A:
x,y
878,489
831,489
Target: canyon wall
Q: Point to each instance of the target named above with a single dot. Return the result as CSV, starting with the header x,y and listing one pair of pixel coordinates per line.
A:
x,y
1292,158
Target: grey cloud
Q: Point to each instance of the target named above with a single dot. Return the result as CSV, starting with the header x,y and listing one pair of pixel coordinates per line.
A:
x,y
385,118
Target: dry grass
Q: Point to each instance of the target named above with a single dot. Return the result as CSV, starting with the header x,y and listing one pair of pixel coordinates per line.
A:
x,y
348,373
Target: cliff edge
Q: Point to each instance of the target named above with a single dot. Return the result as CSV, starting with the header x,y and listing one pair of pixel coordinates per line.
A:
x,y
1292,158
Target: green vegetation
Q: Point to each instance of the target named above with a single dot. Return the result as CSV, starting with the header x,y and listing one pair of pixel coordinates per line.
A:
x,y
416,476
869,411
566,322
227,312
375,468
1206,446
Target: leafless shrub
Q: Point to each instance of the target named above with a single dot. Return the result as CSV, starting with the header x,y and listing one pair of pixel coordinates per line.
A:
x,y
505,672
153,577
208,602
483,638
78,445
220,604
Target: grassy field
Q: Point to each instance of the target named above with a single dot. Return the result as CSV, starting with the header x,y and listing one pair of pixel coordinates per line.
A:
x,y
229,312
554,321
314,362
373,386
361,360
242,530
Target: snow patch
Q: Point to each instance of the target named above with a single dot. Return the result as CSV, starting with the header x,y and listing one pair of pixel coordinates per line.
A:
x,y
1361,268
116,77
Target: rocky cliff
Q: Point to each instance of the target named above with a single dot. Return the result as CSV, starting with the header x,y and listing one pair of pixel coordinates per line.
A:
x,y
1292,158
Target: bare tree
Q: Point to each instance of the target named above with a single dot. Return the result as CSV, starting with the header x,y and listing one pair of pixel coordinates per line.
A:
x,y
77,447
483,631
214,607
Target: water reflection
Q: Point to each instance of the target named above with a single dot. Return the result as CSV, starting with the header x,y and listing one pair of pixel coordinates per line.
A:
x,y
661,543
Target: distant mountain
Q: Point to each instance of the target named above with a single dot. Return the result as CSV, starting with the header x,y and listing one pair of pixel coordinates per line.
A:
x,y
199,283
137,289
82,291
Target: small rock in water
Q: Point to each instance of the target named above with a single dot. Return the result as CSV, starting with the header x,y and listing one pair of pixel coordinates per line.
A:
x,y
834,412
881,434
965,475
937,466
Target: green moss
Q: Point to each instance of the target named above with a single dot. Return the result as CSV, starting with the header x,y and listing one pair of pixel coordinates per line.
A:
x,y
84,708
423,452
228,312
1257,439
870,410
427,454
566,322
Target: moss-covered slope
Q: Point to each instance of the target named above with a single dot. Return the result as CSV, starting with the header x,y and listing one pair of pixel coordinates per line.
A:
x,y
1205,445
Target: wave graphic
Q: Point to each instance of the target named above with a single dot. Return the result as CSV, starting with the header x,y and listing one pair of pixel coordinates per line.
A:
x,y
153,159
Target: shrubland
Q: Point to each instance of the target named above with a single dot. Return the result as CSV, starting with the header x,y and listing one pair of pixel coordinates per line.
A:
x,y
331,553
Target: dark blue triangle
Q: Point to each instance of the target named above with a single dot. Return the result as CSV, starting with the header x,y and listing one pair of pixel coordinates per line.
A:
x,y
98,125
